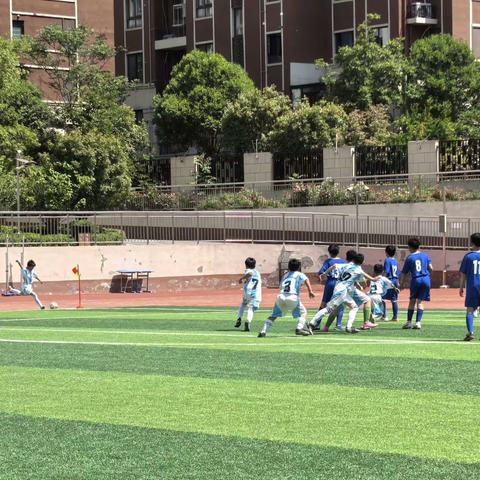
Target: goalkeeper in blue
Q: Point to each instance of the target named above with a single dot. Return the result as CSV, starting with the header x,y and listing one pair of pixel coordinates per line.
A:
x,y
251,293
470,281
378,291
288,300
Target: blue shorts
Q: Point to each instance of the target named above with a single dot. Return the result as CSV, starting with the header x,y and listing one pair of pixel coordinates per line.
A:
x,y
328,291
472,299
391,294
420,289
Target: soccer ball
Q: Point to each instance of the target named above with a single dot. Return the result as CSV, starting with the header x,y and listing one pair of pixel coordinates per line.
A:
x,y
53,306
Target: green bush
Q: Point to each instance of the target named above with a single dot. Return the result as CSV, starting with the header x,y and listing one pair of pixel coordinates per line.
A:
x,y
109,235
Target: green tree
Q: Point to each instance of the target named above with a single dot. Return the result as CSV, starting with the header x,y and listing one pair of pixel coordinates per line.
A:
x,y
190,110
308,127
367,73
249,121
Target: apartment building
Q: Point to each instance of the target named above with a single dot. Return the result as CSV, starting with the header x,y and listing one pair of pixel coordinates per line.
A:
x,y
27,17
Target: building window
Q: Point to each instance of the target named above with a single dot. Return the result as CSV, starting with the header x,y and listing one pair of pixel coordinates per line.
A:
x,y
476,42
134,13
343,39
383,35
18,28
178,15
274,48
237,39
204,8
135,66
205,47
237,14
138,116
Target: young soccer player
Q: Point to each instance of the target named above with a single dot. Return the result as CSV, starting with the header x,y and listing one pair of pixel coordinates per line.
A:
x,y
332,279
350,274
419,266
470,277
252,293
390,267
28,276
288,300
378,291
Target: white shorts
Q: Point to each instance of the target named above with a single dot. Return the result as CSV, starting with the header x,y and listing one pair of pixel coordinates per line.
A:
x,y
340,296
377,309
288,304
253,300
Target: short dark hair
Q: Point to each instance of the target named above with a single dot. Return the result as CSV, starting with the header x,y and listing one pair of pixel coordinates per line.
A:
x,y
31,264
475,239
414,243
333,250
350,255
391,250
358,259
294,265
378,269
250,262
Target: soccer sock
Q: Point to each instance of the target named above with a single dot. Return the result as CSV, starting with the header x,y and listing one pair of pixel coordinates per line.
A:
x,y
250,315
331,318
367,313
410,315
37,300
267,325
340,317
395,309
470,322
301,323
241,310
318,316
384,309
351,317
419,315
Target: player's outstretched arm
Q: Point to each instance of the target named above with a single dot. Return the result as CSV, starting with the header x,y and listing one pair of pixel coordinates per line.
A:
x,y
463,279
19,264
372,279
324,275
311,294
245,277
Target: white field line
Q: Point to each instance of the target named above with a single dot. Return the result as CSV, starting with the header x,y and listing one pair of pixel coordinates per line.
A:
x,y
258,344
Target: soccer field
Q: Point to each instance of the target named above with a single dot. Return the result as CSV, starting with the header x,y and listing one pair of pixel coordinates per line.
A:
x,y
177,393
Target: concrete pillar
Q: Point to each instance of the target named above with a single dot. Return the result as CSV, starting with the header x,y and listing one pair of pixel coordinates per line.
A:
x,y
258,167
423,157
339,162
182,170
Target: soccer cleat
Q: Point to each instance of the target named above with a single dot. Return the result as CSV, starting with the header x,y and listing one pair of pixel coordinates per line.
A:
x,y
238,323
246,327
352,330
417,326
302,332
407,326
261,335
339,328
365,327
393,320
325,329
370,325
314,327
469,337
42,307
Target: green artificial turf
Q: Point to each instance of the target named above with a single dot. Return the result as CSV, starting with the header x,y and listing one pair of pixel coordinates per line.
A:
x,y
178,393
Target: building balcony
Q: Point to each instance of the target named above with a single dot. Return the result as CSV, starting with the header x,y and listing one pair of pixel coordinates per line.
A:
x,y
172,38
421,13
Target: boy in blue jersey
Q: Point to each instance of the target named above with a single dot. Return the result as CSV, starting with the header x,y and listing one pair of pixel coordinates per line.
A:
x,y
470,277
288,300
419,266
378,291
391,270
28,277
331,281
251,294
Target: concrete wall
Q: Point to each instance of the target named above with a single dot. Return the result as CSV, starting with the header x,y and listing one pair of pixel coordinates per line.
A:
x,y
258,167
423,157
184,264
182,170
339,162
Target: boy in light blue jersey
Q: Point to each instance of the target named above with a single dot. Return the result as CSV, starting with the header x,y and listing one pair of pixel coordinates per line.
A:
x,y
28,277
350,275
470,277
251,293
392,271
288,300
378,290
330,283
419,266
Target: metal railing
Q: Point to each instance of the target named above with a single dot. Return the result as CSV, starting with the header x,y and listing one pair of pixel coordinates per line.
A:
x,y
460,155
382,160
302,227
304,165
